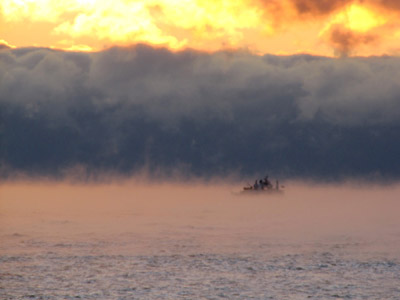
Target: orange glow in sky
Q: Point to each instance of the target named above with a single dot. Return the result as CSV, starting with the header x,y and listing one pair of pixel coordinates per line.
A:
x,y
262,26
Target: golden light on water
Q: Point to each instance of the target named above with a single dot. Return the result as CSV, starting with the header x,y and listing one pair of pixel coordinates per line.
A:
x,y
260,26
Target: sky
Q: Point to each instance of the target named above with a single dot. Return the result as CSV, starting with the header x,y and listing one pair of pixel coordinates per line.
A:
x,y
284,27
298,88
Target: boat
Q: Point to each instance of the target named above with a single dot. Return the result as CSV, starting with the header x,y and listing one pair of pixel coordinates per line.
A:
x,y
262,187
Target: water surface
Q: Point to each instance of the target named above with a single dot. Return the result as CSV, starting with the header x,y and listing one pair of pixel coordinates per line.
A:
x,y
193,241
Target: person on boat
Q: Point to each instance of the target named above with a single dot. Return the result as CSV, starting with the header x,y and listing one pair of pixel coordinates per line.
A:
x,y
266,182
262,185
256,186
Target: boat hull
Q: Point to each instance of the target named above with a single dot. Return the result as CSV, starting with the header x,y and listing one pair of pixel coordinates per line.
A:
x,y
261,192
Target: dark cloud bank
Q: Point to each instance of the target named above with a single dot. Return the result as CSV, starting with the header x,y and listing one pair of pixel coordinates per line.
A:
x,y
123,111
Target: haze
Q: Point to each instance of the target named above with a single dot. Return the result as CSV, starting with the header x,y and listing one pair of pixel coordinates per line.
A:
x,y
137,217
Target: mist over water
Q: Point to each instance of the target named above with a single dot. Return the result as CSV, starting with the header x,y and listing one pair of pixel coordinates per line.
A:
x,y
183,241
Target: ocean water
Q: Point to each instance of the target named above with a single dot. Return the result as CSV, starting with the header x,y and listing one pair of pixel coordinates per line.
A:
x,y
193,241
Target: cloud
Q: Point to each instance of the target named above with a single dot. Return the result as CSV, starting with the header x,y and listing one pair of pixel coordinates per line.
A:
x,y
390,4
345,40
315,8
345,26
263,26
5,45
318,6
128,109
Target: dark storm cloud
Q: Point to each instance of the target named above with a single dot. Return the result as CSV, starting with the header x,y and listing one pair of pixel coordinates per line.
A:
x,y
123,110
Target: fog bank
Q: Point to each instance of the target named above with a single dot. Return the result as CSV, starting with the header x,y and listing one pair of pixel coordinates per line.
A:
x,y
126,110
138,217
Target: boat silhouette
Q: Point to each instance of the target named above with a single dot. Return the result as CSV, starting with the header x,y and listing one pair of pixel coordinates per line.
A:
x,y
263,186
